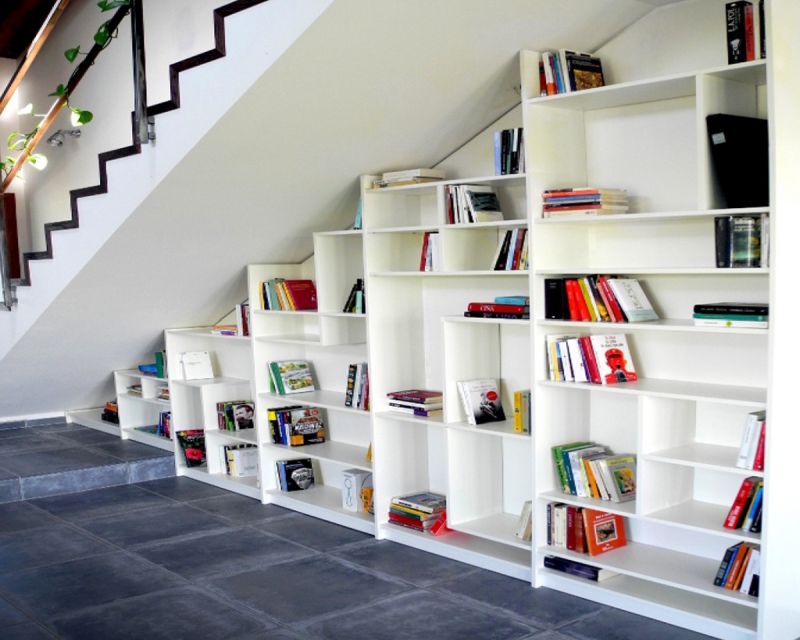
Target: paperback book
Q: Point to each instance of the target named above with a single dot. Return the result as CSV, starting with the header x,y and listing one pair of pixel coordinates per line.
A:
x,y
291,376
481,400
295,475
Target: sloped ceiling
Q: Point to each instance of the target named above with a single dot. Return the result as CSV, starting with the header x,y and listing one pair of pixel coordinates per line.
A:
x,y
370,86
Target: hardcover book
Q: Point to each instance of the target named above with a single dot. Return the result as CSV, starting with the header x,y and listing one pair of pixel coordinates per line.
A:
x,y
604,531
425,502
196,365
613,359
481,400
193,445
292,376
420,396
303,294
295,475
631,298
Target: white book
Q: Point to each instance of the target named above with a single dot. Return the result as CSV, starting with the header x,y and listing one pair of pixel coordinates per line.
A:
x,y
753,569
576,359
613,359
750,435
632,299
196,365
577,469
563,356
525,522
759,417
245,462
408,174
481,398
734,324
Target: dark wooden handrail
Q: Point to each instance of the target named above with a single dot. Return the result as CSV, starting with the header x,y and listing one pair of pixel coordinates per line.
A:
x,y
30,55
56,107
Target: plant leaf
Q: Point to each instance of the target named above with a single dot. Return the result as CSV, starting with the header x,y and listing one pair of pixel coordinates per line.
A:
x,y
38,161
109,5
71,54
102,36
26,110
61,90
80,116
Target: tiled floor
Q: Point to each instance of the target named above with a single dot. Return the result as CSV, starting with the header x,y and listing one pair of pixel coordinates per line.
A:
x,y
176,559
63,458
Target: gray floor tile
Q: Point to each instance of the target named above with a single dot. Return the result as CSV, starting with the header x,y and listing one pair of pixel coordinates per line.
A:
x,y
9,614
54,460
613,624
421,614
229,552
312,532
540,607
300,590
182,489
62,589
11,431
127,451
403,562
181,614
151,469
27,442
10,490
81,436
92,477
46,545
153,525
22,515
26,631
100,502
240,509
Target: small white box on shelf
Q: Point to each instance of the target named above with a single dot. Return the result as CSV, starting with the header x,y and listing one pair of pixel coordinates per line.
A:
x,y
354,481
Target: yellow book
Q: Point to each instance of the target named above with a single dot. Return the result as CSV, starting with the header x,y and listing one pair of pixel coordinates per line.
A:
x,y
518,411
588,298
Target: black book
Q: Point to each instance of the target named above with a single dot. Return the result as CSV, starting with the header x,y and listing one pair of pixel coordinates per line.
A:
x,y
762,33
753,591
723,566
736,29
500,264
733,308
555,299
574,568
755,527
722,240
740,159
497,315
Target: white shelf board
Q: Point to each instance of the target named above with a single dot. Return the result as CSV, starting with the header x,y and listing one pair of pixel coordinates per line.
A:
x,y
432,185
433,421
509,321
319,398
300,338
678,326
691,573
324,502
682,271
206,333
501,558
504,429
498,527
135,373
673,606
625,509
164,404
675,389
210,382
281,312
243,486
248,436
654,216
703,516
703,456
91,418
342,314
467,226
332,451
450,274
132,433
341,232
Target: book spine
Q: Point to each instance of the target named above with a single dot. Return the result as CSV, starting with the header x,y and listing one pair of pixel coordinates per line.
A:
x,y
723,566
735,30
498,308
758,460
749,33
555,299
733,517
588,299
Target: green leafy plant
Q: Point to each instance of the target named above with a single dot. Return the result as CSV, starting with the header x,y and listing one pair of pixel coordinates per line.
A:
x,y
19,141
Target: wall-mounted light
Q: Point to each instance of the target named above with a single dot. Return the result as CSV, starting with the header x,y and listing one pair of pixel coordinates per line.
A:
x,y
57,139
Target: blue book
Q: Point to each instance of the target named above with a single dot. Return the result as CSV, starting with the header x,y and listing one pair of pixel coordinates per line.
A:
x,y
524,300
498,146
753,508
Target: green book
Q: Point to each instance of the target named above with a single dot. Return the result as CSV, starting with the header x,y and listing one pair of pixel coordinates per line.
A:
x,y
561,467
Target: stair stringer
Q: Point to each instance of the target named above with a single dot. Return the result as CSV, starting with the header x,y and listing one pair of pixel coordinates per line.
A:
x,y
254,40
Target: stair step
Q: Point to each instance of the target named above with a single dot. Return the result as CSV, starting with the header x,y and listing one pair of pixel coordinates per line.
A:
x,y
60,457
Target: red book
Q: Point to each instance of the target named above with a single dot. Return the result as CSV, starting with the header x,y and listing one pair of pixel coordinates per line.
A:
x,y
580,533
439,527
409,522
604,531
417,395
518,249
580,301
602,283
737,509
303,294
580,191
758,461
498,308
749,37
606,301
589,359
424,253
574,313
571,513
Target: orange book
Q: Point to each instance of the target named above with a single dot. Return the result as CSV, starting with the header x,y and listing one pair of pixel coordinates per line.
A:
x,y
736,567
603,531
590,476
737,581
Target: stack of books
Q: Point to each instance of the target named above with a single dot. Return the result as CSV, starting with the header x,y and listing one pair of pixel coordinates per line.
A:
x,y
279,294
579,202
578,569
408,177
469,203
296,426
740,569
357,393
596,298
600,359
416,402
239,460
135,390
744,315
584,530
589,470
751,451
423,512
745,512
110,412
509,152
512,251
222,329
503,307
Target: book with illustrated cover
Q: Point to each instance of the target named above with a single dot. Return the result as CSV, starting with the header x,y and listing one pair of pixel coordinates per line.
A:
x,y
295,475
193,445
291,376
631,298
613,358
482,203
621,477
604,531
481,400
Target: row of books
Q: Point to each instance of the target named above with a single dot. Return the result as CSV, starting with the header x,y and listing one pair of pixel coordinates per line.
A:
x,y
356,300
584,530
161,429
503,307
290,376
418,402
424,512
279,294
240,326
430,258
239,460
357,391
732,314
742,22
469,203
235,415
596,298
296,426
406,177
741,241
589,470
509,152
745,512
751,450
565,71
512,251
740,569
579,202
600,359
